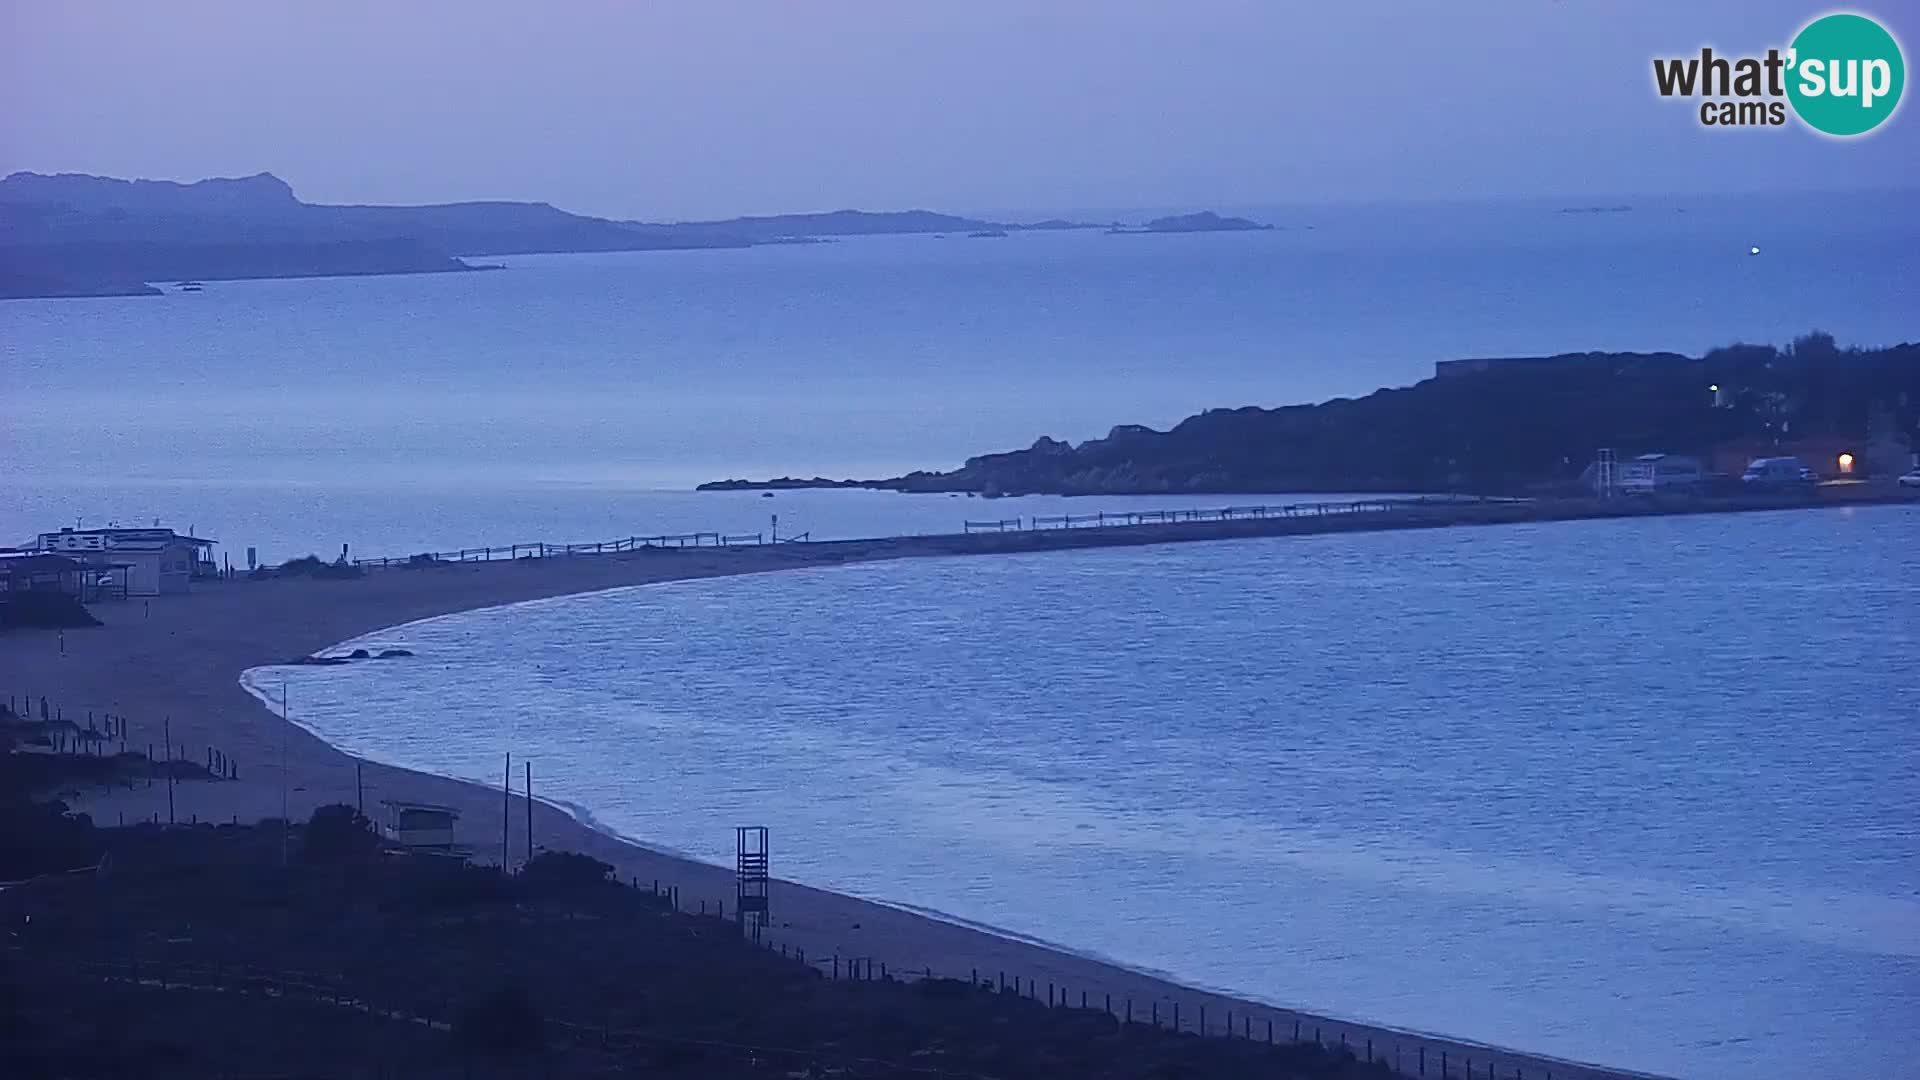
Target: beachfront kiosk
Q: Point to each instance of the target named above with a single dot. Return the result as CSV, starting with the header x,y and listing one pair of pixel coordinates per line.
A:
x,y
418,826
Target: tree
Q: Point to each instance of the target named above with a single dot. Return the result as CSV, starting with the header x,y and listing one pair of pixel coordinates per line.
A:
x,y
560,872
339,833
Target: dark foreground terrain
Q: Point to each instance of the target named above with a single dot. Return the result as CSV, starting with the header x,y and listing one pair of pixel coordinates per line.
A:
x,y
262,951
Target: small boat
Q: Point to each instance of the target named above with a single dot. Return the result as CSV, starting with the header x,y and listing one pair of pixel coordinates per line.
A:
x,y
190,288
766,494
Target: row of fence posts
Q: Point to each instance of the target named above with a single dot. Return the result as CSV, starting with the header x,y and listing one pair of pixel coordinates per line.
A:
x,y
863,969
1107,520
113,728
1102,519
542,550
1447,1064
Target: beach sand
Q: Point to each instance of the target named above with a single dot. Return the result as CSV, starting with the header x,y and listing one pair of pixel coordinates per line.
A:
x,y
180,657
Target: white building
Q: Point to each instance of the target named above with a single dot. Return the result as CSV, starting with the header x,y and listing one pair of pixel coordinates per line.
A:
x,y
1649,473
154,561
420,826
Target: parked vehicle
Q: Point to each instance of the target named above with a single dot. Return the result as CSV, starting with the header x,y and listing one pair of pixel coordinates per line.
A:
x,y
1910,479
1776,472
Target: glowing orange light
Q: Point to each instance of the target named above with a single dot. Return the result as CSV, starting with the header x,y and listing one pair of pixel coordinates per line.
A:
x,y
1846,462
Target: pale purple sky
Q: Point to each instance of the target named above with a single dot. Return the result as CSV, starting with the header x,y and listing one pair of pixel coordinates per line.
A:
x,y
697,108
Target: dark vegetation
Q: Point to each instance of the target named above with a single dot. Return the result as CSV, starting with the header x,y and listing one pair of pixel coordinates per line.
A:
x,y
1516,426
261,951
44,608
312,566
75,235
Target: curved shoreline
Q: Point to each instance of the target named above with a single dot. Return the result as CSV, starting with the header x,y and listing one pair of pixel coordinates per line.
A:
x,y
584,817
182,657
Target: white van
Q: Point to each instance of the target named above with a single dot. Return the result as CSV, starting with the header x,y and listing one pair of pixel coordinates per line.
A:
x,y
1776,472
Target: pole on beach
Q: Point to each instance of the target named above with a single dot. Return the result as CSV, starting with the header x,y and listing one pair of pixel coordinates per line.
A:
x,y
286,721
529,811
166,728
506,817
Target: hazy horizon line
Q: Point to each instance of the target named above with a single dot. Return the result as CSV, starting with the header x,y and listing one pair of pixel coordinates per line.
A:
x,y
1011,215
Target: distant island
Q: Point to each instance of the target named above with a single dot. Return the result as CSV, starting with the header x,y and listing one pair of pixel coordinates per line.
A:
x,y
1204,221
1509,425
787,483
78,235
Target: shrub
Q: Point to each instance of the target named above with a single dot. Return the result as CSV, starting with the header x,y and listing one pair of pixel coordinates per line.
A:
x,y
503,1021
45,608
560,872
338,833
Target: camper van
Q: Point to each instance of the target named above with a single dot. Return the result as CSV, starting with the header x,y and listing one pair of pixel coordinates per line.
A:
x,y
1776,472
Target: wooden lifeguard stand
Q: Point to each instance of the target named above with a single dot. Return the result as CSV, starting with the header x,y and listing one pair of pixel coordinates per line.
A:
x,y
750,877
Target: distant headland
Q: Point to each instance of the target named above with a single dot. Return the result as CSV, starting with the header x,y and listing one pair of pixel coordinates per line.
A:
x,y
72,234
1509,425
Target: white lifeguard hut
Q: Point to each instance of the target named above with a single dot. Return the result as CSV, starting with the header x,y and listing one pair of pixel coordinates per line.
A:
x,y
419,826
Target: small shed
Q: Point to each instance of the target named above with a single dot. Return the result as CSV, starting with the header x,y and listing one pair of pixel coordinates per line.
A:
x,y
1649,473
419,826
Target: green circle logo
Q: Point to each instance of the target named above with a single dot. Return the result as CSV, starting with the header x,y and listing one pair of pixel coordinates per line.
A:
x,y
1845,74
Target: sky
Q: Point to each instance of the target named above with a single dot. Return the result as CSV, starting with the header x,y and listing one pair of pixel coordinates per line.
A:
x,y
669,110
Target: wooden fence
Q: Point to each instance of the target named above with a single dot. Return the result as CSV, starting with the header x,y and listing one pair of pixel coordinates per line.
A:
x,y
1097,520
1402,1053
110,736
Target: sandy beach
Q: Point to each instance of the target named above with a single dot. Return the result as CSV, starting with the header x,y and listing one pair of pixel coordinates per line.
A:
x,y
180,657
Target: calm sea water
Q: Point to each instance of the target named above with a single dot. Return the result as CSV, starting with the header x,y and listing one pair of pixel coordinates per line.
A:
x,y
1633,792
557,400
1630,792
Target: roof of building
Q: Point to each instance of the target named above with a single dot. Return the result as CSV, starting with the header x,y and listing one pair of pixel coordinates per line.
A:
x,y
407,804
14,563
124,536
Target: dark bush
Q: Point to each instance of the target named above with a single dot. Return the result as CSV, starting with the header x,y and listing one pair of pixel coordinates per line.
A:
x,y
45,608
43,838
555,873
500,1022
310,566
338,833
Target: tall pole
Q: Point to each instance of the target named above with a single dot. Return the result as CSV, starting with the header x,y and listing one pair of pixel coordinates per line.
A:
x,y
166,728
359,789
506,817
286,721
529,811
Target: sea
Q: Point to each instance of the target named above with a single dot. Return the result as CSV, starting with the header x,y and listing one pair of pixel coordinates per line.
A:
x,y
573,398
1631,792
1637,793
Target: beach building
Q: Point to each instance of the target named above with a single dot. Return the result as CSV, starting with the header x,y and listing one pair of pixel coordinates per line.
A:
x,y
419,826
1650,473
22,572
151,562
